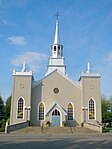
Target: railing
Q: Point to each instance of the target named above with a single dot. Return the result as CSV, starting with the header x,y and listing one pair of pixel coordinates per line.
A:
x,y
10,128
90,74
95,127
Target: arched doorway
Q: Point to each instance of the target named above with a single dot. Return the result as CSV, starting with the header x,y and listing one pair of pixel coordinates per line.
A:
x,y
55,118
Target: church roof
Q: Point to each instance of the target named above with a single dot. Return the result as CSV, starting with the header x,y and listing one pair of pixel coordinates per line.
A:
x,y
63,75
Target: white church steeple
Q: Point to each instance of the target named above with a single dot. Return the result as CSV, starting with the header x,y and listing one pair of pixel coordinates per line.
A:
x,y
56,60
57,37
57,48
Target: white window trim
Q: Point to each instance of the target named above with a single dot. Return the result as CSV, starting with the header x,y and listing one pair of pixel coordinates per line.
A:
x,y
67,111
38,111
23,108
94,109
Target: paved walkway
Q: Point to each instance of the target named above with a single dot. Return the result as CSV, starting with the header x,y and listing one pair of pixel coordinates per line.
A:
x,y
43,141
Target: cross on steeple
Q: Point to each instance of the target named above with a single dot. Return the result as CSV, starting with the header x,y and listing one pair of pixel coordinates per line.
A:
x,y
57,15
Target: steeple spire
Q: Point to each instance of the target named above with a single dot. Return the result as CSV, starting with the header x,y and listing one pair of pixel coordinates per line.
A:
x,y
57,48
57,37
56,61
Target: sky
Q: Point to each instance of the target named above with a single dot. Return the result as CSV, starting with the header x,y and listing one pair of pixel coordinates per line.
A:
x,y
27,30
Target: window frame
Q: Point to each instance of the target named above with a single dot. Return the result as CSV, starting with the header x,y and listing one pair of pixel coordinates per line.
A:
x,y
72,113
39,111
17,108
94,109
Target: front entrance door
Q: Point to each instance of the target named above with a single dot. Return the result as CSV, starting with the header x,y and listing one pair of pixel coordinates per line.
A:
x,y
56,118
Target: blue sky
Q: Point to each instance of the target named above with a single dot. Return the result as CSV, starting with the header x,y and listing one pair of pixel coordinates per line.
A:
x,y
27,30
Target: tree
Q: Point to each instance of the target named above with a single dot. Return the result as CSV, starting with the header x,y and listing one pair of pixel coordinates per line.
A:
x,y
107,110
1,109
7,108
109,104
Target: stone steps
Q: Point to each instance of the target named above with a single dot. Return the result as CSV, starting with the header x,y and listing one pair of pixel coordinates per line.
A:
x,y
59,130
54,130
31,130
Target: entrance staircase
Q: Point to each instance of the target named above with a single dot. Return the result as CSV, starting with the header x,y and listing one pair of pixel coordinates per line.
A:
x,y
54,130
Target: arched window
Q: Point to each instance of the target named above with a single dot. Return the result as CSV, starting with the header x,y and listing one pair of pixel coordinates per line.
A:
x,y
41,111
20,106
54,48
91,109
70,111
58,47
56,112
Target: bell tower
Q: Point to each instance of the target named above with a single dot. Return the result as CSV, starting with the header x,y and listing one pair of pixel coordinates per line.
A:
x,y
56,60
21,95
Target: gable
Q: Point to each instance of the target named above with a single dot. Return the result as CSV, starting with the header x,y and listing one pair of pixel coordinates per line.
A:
x,y
68,90
57,78
54,74
56,105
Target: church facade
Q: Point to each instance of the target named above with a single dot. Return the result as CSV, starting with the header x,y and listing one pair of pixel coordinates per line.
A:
x,y
55,99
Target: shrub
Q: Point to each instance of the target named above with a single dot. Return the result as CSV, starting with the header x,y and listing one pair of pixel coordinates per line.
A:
x,y
48,123
105,129
2,123
2,129
8,120
64,123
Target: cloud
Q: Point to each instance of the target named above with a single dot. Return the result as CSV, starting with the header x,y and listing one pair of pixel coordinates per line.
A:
x,y
17,40
34,59
109,57
5,94
15,3
4,23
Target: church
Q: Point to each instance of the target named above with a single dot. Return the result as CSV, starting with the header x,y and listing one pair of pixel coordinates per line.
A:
x,y
56,99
